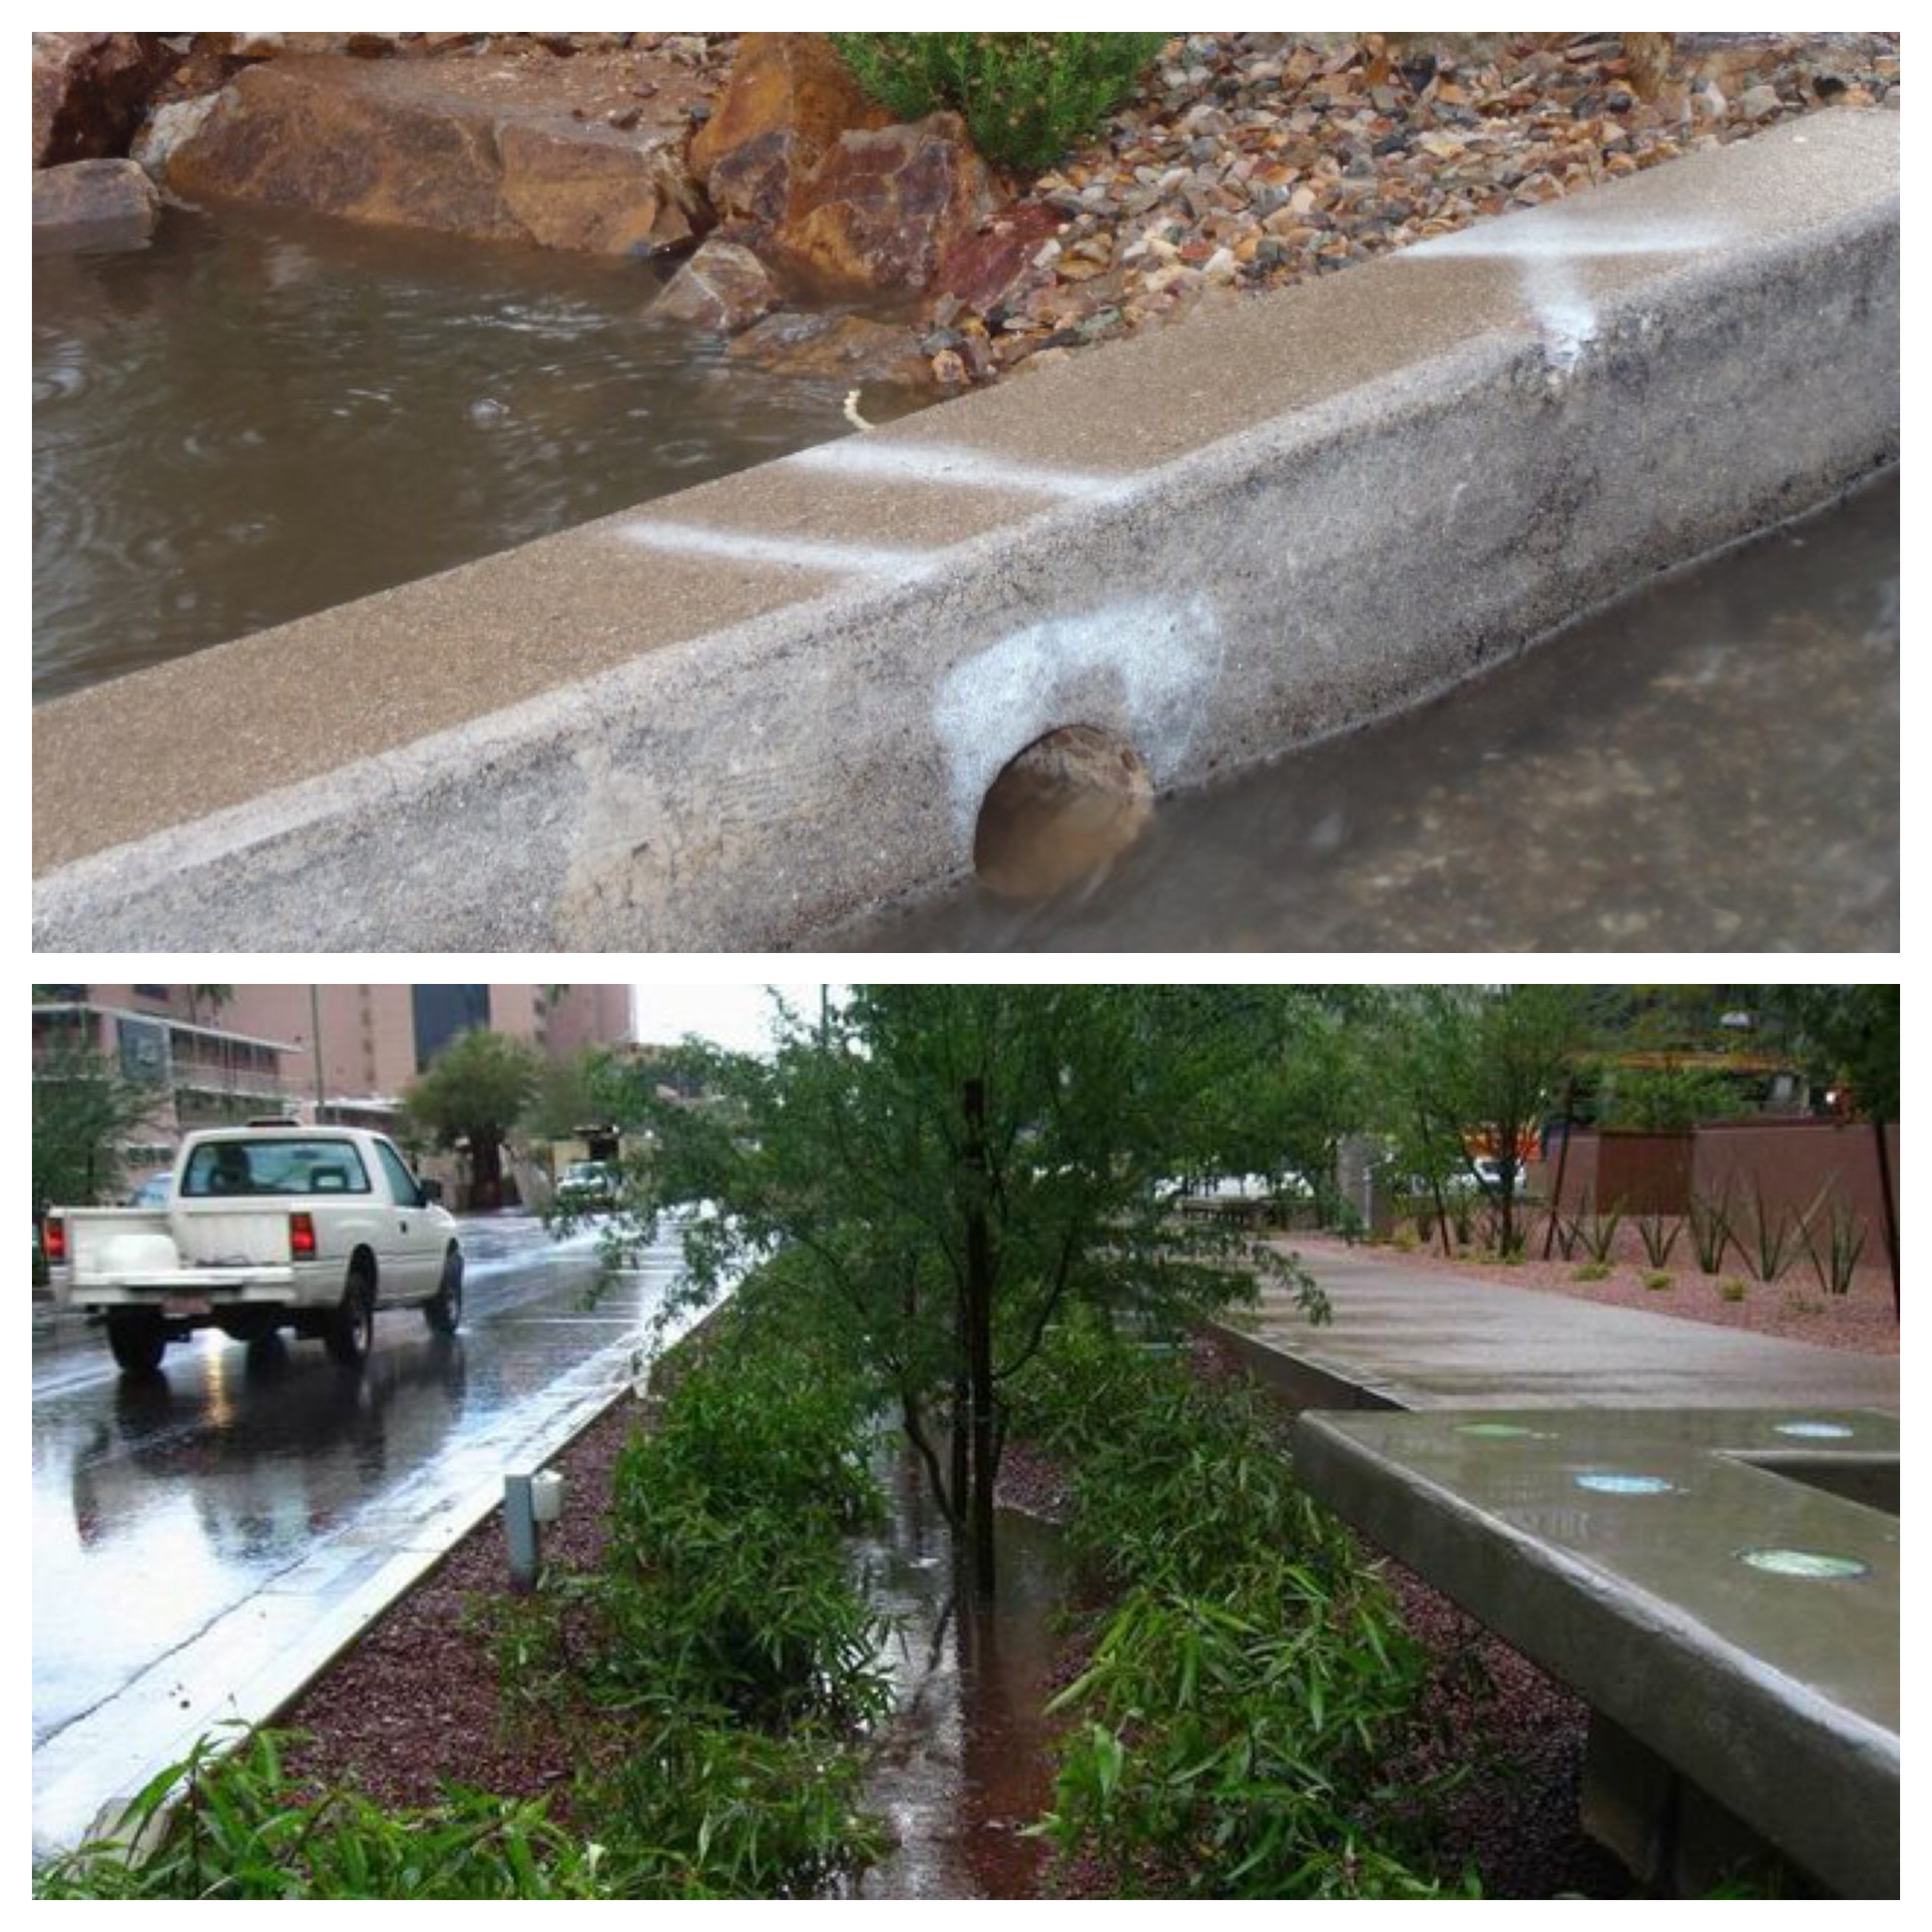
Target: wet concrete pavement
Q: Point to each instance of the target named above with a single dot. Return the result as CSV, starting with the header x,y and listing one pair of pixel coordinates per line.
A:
x,y
202,1543
1405,1339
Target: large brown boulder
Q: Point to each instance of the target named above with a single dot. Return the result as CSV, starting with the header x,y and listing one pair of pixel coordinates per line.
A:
x,y
457,145
722,288
788,99
90,90
93,204
886,207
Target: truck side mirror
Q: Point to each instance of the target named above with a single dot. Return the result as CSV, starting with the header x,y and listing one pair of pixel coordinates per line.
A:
x,y
430,1189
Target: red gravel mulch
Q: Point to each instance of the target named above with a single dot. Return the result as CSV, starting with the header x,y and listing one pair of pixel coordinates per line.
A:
x,y
1793,1306
415,1700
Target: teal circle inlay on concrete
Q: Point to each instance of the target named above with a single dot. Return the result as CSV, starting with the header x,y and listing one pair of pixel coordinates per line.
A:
x,y
1494,1430
1610,1482
1817,1431
1805,1563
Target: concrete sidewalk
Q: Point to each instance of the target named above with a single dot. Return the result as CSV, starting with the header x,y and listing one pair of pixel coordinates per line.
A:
x,y
1405,1339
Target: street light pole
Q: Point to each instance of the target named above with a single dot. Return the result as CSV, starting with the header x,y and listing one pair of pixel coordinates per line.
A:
x,y
316,1040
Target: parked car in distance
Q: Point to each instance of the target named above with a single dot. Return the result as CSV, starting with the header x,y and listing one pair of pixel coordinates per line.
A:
x,y
153,1190
264,1227
585,1186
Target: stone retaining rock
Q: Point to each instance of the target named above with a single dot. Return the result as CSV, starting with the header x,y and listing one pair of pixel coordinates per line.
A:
x,y
93,204
884,207
455,145
788,99
90,91
723,287
850,349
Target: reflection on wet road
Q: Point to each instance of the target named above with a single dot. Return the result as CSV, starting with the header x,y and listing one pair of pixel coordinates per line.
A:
x,y
195,1534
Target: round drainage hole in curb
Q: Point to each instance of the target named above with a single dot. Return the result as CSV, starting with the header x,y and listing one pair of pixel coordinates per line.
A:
x,y
1613,1482
1060,812
1817,1431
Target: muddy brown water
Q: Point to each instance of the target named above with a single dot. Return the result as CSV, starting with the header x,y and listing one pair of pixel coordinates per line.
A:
x,y
1711,764
264,413
962,1765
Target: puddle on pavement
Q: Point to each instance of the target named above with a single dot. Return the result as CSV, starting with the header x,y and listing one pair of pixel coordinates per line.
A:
x,y
1710,764
963,1765
264,413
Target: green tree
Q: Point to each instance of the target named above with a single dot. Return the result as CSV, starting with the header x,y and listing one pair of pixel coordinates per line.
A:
x,y
477,1091
84,1110
940,1171
1485,1063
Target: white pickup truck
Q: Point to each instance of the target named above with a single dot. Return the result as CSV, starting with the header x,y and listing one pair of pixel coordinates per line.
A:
x,y
269,1227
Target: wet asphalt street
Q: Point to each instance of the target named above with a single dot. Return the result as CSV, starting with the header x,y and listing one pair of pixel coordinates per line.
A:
x,y
201,1539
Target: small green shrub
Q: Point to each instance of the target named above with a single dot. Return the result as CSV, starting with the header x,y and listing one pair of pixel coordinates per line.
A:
x,y
1657,1279
1731,1288
1025,98
1593,1272
1249,1681
240,1831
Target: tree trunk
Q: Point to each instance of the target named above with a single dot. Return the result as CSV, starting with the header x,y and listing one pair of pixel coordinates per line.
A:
x,y
1562,1163
1891,1206
979,1334
486,1171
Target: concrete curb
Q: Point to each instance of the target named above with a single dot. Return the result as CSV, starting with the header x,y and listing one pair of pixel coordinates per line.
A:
x,y
1213,543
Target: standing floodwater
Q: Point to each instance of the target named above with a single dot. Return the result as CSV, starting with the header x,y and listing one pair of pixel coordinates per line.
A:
x,y
964,1765
266,413
1711,764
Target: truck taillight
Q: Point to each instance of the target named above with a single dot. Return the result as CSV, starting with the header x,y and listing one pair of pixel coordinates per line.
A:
x,y
53,1237
302,1237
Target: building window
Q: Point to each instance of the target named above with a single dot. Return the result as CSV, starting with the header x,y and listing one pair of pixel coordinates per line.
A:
x,y
442,1013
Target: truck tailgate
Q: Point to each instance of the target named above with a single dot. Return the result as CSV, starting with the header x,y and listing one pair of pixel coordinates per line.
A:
x,y
230,1236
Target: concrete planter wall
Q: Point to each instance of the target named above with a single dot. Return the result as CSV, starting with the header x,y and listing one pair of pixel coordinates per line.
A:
x,y
747,712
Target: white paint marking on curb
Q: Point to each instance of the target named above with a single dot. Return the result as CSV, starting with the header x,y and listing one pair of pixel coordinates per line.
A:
x,y
1547,245
961,465
799,553
1165,653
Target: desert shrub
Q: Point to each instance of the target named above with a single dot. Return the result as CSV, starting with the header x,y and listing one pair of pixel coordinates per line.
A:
x,y
1025,98
1658,1232
1731,1288
1835,1259
1713,1228
1593,1272
1658,1279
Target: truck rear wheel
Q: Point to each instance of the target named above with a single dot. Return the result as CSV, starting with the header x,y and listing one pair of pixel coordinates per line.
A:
x,y
137,1338
445,1312
351,1327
